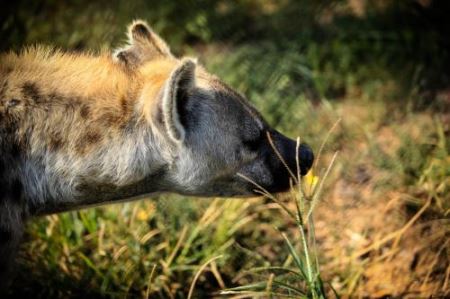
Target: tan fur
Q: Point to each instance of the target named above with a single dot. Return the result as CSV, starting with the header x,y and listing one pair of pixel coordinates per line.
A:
x,y
105,90
156,73
89,75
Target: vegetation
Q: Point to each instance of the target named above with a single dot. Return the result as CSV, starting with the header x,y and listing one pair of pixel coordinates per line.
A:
x,y
381,223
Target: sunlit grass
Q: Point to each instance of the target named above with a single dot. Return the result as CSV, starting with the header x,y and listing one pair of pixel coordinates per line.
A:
x,y
131,249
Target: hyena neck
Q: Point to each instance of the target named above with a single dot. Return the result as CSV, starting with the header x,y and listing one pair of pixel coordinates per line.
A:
x,y
79,131
120,170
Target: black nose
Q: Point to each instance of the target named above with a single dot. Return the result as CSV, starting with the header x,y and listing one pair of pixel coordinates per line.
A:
x,y
306,158
288,149
292,156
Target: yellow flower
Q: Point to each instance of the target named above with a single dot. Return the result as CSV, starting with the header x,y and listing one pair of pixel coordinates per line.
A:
x,y
142,215
145,211
310,181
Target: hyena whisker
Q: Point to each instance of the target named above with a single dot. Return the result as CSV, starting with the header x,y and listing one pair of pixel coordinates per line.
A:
x,y
253,182
267,194
280,203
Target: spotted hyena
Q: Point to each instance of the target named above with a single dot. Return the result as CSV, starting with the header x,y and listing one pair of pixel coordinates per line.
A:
x,y
78,130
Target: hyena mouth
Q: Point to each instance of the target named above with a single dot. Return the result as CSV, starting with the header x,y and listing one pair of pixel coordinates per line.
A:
x,y
280,167
285,163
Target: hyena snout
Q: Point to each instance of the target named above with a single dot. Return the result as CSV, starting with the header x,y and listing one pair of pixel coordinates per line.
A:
x,y
302,156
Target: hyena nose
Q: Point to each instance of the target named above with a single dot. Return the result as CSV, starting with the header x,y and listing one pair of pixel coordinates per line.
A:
x,y
292,156
306,158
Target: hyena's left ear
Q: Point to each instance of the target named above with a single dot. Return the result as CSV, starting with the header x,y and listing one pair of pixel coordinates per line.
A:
x,y
178,87
144,45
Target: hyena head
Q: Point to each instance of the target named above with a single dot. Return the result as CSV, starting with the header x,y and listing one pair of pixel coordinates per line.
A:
x,y
218,141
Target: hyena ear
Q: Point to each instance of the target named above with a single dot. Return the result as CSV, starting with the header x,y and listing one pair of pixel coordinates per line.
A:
x,y
144,45
178,87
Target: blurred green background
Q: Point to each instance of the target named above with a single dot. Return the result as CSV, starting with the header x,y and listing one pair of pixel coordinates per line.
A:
x,y
383,67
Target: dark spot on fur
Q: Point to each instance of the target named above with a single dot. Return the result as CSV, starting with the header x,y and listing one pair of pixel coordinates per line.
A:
x,y
124,105
110,119
30,90
92,138
3,88
5,236
88,140
55,142
85,111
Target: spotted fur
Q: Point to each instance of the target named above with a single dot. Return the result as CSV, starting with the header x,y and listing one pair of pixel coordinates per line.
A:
x,y
80,129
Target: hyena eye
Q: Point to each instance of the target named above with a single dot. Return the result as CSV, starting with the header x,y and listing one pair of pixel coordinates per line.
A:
x,y
254,143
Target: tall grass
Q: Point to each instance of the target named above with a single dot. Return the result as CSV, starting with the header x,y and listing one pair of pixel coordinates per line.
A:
x,y
303,278
143,250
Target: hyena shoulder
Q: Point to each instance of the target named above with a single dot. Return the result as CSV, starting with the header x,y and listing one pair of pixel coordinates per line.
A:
x,y
40,87
49,70
51,77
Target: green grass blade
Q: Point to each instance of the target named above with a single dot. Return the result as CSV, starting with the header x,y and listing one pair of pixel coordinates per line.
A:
x,y
274,268
294,254
306,253
258,286
288,287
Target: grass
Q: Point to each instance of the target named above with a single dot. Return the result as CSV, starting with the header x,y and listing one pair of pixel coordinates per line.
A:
x,y
85,250
304,279
380,228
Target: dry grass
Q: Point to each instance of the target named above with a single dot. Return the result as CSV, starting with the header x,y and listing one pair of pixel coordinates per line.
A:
x,y
379,237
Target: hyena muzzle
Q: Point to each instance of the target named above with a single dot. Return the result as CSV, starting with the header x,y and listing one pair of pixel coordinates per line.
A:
x,y
78,130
